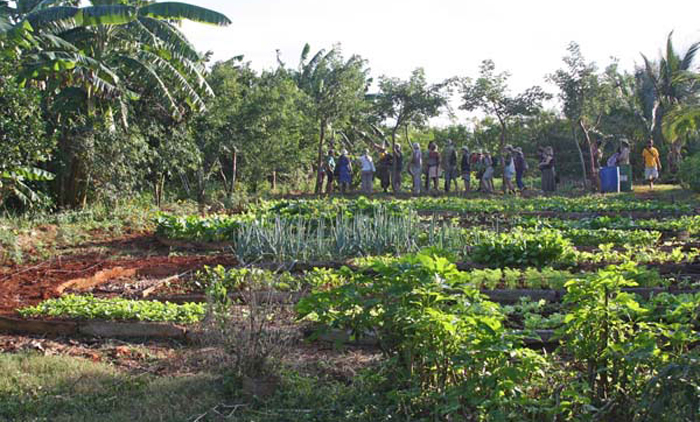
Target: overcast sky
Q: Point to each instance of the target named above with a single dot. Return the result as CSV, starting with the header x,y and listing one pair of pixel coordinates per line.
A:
x,y
449,37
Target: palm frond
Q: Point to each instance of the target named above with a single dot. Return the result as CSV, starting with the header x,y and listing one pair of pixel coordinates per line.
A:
x,y
184,11
689,56
681,120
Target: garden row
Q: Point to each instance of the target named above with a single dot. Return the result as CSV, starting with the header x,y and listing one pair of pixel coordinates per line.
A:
x,y
520,288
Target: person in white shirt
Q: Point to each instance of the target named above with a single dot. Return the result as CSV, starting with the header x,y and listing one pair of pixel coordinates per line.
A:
x,y
368,170
415,166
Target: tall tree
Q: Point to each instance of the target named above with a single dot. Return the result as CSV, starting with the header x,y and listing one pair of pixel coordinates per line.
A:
x,y
587,97
490,93
672,83
410,102
336,87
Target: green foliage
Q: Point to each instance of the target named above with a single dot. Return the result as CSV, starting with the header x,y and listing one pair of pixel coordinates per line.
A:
x,y
90,307
410,102
689,172
613,344
518,248
451,350
23,137
586,237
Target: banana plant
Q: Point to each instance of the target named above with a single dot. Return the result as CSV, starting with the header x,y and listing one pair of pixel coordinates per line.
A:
x,y
112,50
16,182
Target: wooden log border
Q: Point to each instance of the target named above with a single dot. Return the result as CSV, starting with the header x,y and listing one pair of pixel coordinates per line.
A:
x,y
96,328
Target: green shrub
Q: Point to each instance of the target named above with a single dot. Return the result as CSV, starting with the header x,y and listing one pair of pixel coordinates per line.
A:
x,y
689,172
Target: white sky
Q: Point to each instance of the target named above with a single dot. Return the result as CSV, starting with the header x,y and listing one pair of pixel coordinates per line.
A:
x,y
450,37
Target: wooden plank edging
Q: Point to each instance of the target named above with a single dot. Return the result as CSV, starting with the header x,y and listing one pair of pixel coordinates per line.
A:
x,y
94,328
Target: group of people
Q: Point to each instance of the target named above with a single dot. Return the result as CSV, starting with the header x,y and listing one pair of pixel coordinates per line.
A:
x,y
426,167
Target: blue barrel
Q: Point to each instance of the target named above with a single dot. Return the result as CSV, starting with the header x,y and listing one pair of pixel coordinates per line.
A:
x,y
610,179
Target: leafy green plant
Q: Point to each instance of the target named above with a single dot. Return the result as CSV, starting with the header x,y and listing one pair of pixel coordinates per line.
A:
x,y
452,349
611,341
519,248
90,307
689,172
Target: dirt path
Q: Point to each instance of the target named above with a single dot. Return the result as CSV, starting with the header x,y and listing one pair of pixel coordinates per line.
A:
x,y
29,284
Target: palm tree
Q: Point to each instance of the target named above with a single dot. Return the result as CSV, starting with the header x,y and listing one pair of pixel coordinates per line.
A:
x,y
670,84
103,55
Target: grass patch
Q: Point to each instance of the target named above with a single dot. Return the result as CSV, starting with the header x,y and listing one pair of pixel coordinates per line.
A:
x,y
57,388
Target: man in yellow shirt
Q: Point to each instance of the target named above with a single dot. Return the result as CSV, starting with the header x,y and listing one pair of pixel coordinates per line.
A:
x,y
652,163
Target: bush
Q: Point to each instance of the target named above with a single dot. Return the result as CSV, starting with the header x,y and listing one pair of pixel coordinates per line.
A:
x,y
689,172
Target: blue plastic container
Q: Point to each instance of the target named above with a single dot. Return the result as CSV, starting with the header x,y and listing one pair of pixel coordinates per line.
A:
x,y
610,179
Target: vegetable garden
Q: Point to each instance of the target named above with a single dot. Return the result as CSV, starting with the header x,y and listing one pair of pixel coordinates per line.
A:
x,y
524,309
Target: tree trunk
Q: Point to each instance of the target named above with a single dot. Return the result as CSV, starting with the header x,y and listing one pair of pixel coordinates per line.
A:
x,y
274,180
593,168
675,156
319,161
201,189
503,154
394,164
234,169
580,156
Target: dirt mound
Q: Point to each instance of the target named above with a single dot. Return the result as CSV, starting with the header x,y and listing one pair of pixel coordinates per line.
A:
x,y
27,285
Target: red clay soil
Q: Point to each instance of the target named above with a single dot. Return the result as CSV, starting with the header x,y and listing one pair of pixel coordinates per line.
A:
x,y
28,285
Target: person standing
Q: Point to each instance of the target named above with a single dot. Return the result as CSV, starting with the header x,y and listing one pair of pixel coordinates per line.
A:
x,y
397,168
520,168
465,168
652,163
624,158
344,170
614,159
368,170
479,167
509,170
547,166
450,164
433,165
384,167
426,169
415,167
488,173
329,171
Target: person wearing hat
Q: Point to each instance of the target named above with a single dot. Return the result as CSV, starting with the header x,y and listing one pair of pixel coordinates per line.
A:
x,y
450,163
344,170
465,167
396,169
520,168
415,167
